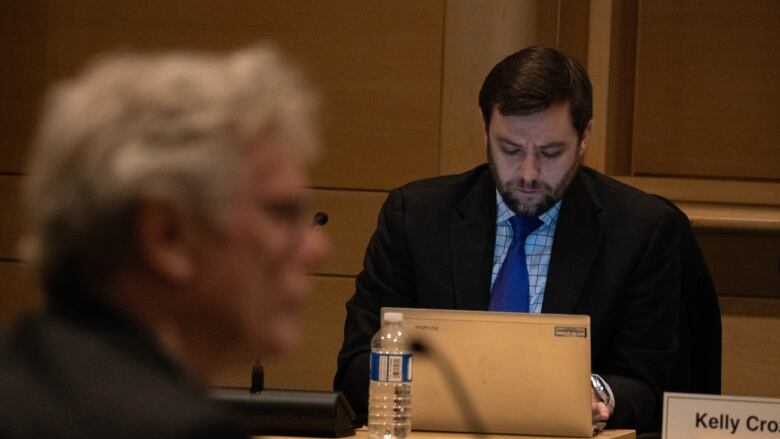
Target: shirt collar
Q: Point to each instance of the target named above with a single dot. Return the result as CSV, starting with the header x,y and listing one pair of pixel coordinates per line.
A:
x,y
503,212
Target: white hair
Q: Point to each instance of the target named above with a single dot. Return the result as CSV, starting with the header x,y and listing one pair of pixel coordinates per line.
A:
x,y
134,126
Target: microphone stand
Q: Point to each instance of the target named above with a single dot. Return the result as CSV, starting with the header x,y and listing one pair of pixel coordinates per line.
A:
x,y
468,411
299,412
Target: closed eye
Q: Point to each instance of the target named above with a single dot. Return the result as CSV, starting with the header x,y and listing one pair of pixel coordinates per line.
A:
x,y
510,148
286,211
552,153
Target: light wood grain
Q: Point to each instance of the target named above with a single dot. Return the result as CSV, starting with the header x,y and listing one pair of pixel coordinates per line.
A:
x,y
710,190
478,35
733,218
377,64
707,95
352,220
751,347
313,365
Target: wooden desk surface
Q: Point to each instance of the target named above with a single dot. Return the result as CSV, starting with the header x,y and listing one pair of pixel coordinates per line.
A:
x,y
363,434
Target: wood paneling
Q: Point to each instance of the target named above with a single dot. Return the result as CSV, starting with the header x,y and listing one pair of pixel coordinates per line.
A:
x,y
478,35
19,293
377,64
352,219
10,216
743,264
732,219
313,365
611,64
751,347
710,190
707,95
22,78
573,25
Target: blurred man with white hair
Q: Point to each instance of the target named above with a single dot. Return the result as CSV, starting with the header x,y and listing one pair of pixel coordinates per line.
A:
x,y
166,222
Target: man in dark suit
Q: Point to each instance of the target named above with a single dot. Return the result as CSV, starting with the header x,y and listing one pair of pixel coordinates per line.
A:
x,y
165,222
596,247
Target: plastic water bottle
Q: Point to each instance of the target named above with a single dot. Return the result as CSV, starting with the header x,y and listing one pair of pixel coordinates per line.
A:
x,y
390,391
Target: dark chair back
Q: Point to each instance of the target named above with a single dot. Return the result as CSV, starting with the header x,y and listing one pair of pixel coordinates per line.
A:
x,y
697,368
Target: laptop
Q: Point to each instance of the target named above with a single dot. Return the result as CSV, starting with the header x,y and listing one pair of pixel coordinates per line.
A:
x,y
496,372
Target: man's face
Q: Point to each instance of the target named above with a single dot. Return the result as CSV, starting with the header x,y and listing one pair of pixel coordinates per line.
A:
x,y
255,261
533,158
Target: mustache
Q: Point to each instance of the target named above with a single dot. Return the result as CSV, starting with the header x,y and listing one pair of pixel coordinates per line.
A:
x,y
526,185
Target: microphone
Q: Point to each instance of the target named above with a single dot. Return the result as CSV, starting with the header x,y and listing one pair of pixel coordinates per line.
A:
x,y
320,219
443,363
287,412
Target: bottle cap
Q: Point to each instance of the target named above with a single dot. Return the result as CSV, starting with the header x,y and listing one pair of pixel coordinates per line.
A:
x,y
394,317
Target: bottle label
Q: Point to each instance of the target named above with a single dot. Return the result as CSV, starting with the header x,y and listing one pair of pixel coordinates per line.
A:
x,y
393,368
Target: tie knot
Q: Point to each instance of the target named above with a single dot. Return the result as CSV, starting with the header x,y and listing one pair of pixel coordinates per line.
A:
x,y
522,226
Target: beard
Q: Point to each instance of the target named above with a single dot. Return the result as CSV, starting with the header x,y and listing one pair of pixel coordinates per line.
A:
x,y
550,195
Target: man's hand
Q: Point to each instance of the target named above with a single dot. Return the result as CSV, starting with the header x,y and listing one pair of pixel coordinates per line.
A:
x,y
599,410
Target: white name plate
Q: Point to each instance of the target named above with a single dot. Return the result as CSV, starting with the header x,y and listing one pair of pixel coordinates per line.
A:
x,y
692,416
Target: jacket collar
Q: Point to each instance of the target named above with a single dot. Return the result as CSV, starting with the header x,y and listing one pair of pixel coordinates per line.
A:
x,y
472,237
578,237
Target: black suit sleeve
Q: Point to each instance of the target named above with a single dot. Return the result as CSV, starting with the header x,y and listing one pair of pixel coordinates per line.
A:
x,y
386,280
644,343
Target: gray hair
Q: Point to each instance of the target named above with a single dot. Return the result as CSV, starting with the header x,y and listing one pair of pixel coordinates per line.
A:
x,y
137,126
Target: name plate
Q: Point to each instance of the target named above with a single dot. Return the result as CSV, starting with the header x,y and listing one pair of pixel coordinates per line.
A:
x,y
691,416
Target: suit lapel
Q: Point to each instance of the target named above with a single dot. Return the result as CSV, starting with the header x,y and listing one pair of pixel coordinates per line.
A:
x,y
472,236
576,243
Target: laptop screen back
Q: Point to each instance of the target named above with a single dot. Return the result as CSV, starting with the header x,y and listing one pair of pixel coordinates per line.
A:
x,y
522,373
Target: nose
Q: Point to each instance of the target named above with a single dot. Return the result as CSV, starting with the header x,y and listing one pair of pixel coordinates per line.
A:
x,y
528,169
313,248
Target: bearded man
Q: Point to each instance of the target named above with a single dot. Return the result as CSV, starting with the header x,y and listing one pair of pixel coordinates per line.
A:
x,y
593,245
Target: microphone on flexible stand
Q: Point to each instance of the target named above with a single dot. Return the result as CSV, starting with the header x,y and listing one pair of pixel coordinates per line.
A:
x,y
286,412
258,378
443,363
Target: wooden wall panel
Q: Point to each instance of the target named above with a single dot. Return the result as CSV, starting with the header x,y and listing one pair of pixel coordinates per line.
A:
x,y
743,264
313,365
707,95
22,78
377,64
19,293
478,35
352,220
751,346
611,64
573,25
10,216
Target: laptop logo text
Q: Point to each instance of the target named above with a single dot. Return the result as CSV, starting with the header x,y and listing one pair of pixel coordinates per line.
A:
x,y
571,331
427,327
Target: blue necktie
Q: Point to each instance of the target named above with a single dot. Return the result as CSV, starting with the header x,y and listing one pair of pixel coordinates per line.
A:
x,y
510,291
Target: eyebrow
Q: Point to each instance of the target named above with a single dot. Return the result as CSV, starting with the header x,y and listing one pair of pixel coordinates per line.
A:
x,y
554,144
505,141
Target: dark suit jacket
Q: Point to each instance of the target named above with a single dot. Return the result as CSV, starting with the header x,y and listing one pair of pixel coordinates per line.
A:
x,y
79,371
615,257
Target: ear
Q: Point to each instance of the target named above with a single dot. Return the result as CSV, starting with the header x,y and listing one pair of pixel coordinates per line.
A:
x,y
585,137
165,239
485,127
